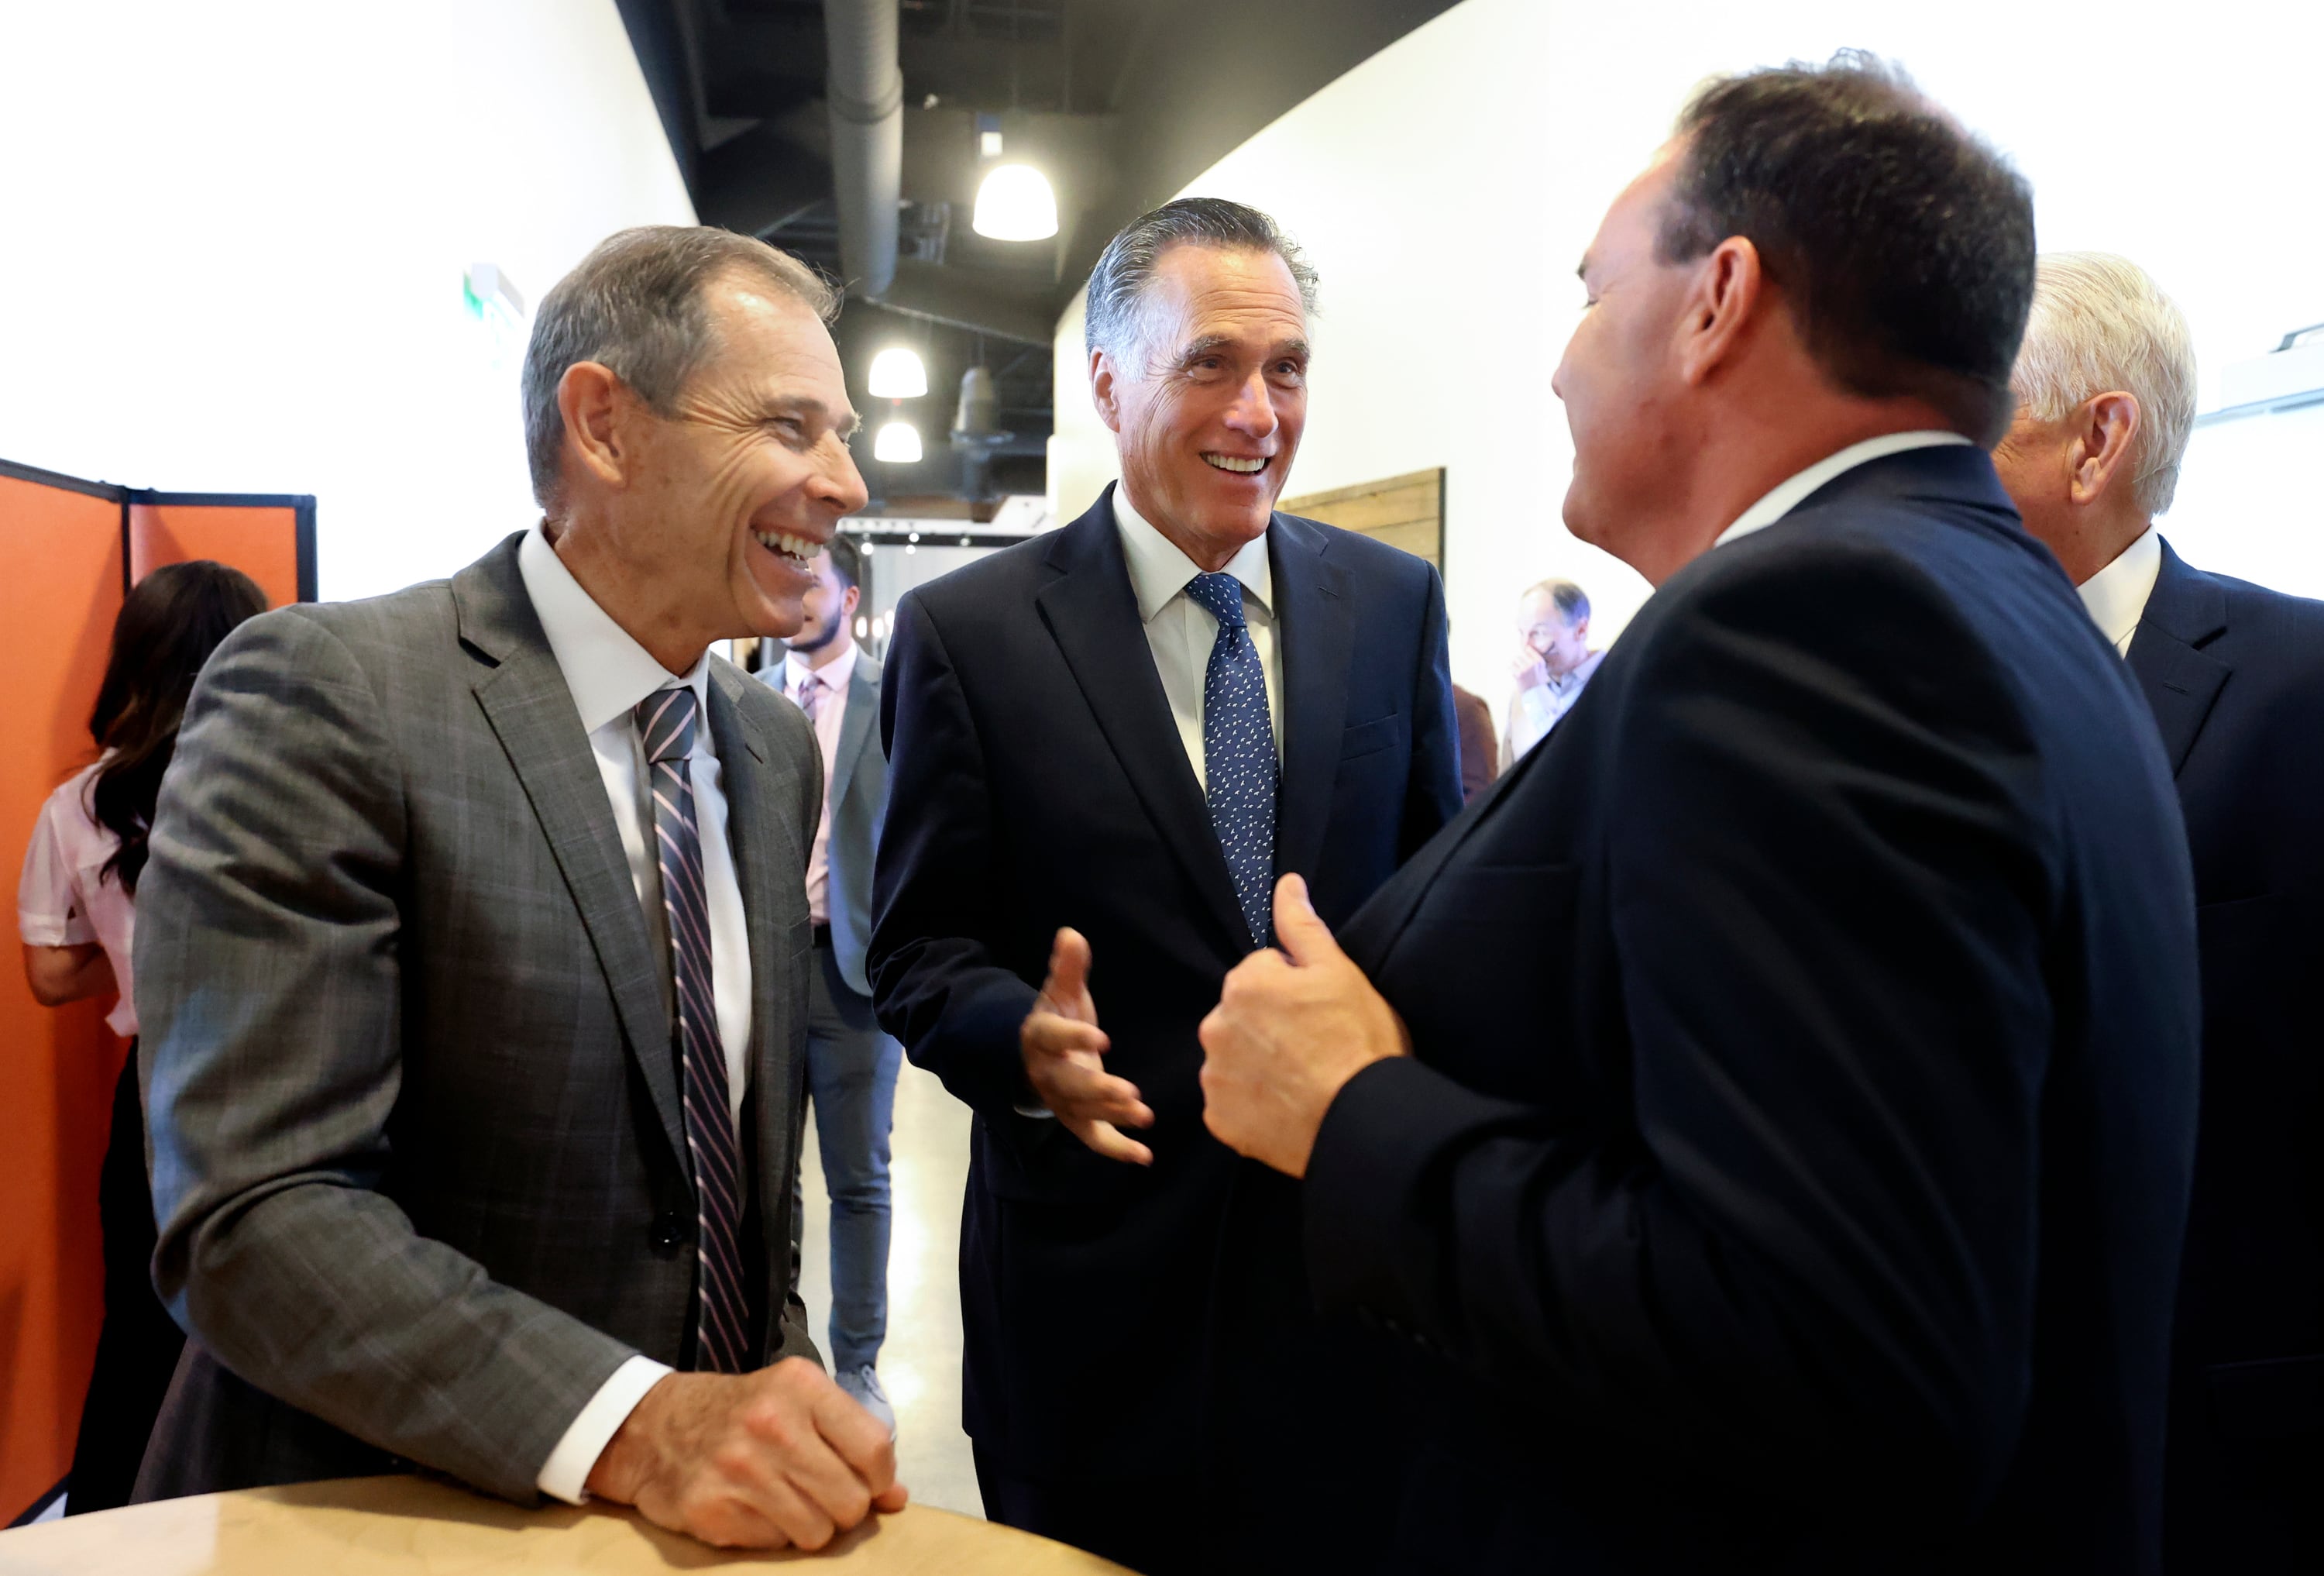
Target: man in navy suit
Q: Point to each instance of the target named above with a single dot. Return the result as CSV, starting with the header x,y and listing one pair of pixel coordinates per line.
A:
x,y
1762,1124
2235,673
1104,745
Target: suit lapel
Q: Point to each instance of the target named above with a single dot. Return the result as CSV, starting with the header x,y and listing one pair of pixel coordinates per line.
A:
x,y
2186,611
529,705
1092,616
855,724
767,859
1315,632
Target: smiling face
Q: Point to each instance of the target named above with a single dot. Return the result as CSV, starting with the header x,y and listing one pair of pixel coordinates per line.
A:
x,y
1621,378
729,498
1207,407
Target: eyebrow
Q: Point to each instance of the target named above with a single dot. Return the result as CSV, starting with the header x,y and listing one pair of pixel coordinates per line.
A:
x,y
1196,349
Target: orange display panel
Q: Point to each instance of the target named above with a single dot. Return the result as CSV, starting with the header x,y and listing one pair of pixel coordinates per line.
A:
x,y
57,605
73,549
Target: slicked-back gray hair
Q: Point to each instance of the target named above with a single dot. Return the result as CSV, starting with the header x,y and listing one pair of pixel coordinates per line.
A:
x,y
2101,323
1117,286
635,305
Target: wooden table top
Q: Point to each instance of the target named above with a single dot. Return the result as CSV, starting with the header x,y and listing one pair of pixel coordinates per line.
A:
x,y
416,1527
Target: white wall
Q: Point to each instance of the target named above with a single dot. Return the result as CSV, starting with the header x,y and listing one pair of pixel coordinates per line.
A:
x,y
236,235
1447,186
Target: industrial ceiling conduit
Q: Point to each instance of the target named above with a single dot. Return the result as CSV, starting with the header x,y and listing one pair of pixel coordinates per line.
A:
x,y
865,88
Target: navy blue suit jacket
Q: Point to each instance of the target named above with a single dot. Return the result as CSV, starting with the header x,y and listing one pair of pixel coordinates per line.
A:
x,y
1037,779
1791,1171
2236,675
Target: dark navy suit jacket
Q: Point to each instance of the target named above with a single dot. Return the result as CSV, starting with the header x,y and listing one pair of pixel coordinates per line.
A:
x,y
2236,675
1791,1172
1037,779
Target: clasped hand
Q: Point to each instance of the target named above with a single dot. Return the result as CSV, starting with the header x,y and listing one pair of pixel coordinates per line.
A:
x,y
1290,1029
760,1460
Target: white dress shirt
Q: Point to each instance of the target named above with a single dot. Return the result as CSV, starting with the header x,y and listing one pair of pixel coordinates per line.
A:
x,y
1791,493
1536,708
830,712
2116,596
609,673
1181,633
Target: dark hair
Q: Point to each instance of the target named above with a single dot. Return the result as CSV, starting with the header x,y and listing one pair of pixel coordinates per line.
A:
x,y
846,560
1903,245
635,305
171,622
1129,261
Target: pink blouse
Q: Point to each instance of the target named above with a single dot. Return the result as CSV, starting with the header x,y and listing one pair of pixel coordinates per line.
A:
x,y
63,902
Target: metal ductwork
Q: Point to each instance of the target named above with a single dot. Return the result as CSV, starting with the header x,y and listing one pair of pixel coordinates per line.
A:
x,y
864,85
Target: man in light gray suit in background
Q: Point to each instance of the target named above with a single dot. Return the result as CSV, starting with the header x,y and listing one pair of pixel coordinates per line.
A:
x,y
851,1066
475,962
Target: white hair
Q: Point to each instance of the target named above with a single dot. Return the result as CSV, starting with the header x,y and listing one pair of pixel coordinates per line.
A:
x,y
2100,324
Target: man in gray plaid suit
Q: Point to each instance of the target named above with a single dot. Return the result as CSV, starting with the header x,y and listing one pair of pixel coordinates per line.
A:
x,y
474,953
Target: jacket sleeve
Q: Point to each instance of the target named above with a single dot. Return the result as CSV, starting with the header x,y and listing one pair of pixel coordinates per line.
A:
x,y
934,982
1808,1241
1433,796
269,997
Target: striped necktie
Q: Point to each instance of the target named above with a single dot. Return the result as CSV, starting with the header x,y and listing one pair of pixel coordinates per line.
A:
x,y
665,723
1239,752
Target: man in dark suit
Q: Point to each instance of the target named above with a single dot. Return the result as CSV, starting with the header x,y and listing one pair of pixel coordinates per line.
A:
x,y
1104,745
474,959
851,1066
1763,1121
2235,674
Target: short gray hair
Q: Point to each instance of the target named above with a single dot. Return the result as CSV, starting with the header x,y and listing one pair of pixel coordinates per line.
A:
x,y
635,305
1572,602
1115,323
2099,323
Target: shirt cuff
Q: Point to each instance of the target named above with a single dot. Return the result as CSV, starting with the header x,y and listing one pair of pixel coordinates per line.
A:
x,y
566,1474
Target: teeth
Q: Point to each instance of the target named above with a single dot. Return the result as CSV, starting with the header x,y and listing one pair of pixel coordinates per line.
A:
x,y
798,549
1236,463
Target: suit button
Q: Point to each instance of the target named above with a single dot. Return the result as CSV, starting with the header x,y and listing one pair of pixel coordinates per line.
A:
x,y
667,1233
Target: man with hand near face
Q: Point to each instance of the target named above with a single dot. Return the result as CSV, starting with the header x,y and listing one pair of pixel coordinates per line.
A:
x,y
1553,663
475,958
1763,1124
1105,745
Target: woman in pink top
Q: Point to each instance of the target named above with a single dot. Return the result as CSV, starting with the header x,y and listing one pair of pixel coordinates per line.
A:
x,y
75,910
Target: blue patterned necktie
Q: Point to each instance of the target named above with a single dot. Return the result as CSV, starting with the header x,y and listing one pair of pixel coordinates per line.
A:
x,y
1239,752
665,722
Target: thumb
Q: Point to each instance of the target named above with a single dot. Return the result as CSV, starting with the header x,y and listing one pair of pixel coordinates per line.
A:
x,y
1303,936
1069,962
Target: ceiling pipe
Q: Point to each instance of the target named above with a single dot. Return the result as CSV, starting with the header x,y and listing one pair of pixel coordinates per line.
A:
x,y
864,85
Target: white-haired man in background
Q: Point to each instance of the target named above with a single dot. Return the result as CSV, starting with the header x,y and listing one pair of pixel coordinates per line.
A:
x,y
2235,673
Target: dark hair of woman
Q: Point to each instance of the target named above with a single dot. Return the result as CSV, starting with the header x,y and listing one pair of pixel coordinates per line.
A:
x,y
171,622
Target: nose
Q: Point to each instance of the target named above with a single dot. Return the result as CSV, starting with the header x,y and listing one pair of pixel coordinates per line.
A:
x,y
1253,410
838,485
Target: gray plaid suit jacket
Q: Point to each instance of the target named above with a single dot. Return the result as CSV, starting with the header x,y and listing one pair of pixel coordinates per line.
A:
x,y
413,1109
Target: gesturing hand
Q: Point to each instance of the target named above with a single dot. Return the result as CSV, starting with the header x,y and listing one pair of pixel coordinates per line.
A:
x,y
756,1461
1287,1035
1064,1059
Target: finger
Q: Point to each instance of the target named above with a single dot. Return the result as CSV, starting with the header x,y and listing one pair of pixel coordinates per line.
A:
x,y
858,1439
1071,1089
1069,962
730,1523
1107,1139
1303,936
794,1510
1052,1036
894,1499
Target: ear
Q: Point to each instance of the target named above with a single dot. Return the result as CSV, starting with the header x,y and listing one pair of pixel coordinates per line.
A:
x,y
851,602
1724,305
2108,425
1104,390
591,398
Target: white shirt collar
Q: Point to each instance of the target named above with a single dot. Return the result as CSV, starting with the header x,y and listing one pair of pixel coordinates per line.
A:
x,y
1788,494
835,674
1159,570
607,670
2116,596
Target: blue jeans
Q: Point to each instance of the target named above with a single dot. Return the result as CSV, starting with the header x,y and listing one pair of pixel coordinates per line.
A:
x,y
851,1080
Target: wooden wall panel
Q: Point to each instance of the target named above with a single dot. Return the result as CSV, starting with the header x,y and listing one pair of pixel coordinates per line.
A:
x,y
57,600
1404,512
